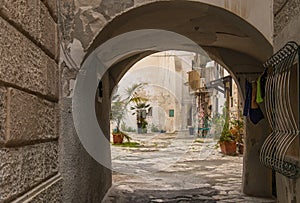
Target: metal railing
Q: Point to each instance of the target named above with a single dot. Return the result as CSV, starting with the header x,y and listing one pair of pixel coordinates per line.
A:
x,y
278,102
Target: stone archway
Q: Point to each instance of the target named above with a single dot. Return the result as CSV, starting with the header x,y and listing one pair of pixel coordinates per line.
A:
x,y
227,38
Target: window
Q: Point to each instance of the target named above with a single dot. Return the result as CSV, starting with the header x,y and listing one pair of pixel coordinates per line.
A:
x,y
171,113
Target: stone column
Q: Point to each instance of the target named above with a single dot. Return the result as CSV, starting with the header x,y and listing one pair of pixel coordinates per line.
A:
x,y
257,179
85,180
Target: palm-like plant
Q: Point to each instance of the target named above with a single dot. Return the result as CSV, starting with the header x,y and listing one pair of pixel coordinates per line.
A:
x,y
117,112
141,109
120,104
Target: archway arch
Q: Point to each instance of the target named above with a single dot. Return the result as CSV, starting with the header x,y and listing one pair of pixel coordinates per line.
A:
x,y
227,38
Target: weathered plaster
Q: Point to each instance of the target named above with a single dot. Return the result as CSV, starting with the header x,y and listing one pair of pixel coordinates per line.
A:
x,y
286,13
88,18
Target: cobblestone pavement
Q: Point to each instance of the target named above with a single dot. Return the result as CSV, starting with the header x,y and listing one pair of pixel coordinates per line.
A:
x,y
175,168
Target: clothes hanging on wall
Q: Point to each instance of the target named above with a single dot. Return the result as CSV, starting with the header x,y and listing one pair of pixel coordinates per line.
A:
x,y
263,81
261,84
259,98
251,107
255,112
247,104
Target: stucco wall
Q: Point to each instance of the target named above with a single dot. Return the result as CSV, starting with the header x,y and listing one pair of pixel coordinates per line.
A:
x,y
29,95
164,88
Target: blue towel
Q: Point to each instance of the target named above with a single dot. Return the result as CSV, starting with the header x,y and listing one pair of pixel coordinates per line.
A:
x,y
247,104
256,115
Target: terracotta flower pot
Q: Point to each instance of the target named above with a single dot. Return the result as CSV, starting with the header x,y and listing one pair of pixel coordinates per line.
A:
x,y
118,138
228,148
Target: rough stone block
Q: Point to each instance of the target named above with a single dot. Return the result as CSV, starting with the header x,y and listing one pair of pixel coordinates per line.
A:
x,y
28,118
48,32
34,18
52,7
23,64
277,5
3,109
25,167
50,194
52,79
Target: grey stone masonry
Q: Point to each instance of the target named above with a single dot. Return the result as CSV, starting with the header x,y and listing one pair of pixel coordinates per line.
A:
x,y
34,19
25,167
29,95
48,191
25,65
26,118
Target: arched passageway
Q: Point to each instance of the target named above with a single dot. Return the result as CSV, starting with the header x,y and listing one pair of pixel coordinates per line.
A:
x,y
227,38
184,163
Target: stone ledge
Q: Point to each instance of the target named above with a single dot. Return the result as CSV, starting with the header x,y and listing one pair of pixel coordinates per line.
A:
x,y
25,65
26,118
34,18
23,168
48,191
3,113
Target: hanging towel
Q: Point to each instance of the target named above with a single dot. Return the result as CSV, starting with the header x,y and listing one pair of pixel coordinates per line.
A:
x,y
256,115
259,98
255,112
263,80
247,104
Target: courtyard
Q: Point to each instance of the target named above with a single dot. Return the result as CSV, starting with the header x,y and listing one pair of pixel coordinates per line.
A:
x,y
175,167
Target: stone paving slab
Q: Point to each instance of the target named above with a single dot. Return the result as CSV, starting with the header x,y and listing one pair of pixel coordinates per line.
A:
x,y
179,170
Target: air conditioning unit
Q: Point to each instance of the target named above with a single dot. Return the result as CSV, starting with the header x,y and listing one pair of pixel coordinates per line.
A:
x,y
194,85
194,79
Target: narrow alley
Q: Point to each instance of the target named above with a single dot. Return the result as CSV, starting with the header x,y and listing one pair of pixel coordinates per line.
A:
x,y
144,101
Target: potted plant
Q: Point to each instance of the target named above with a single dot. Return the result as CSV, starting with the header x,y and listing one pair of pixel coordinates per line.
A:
x,y
119,109
227,141
117,114
237,127
144,126
141,109
118,136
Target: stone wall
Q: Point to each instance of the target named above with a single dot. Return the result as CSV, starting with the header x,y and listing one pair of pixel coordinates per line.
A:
x,y
287,28
29,96
286,22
